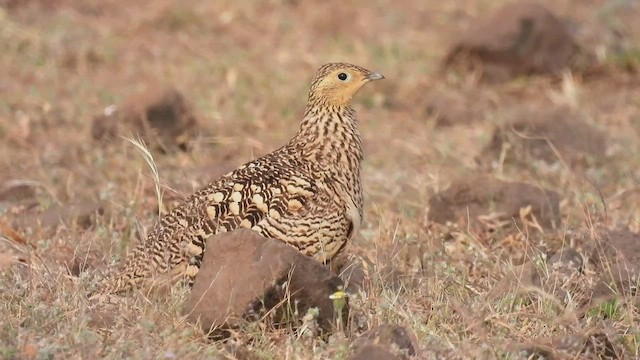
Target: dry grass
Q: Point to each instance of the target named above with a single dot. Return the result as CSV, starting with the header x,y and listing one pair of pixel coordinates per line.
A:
x,y
246,66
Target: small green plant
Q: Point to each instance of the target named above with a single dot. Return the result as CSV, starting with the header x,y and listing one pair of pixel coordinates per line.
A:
x,y
339,302
609,309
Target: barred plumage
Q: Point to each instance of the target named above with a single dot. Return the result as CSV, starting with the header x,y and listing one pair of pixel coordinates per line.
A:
x,y
307,194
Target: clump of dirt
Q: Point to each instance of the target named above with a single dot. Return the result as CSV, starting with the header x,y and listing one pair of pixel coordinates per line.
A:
x,y
245,276
550,134
162,117
460,106
385,342
616,256
595,345
17,191
84,215
470,199
519,38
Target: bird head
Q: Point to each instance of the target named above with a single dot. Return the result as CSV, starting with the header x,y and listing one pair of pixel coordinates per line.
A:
x,y
337,83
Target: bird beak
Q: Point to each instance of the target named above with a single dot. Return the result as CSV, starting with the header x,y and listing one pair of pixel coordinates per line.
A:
x,y
374,76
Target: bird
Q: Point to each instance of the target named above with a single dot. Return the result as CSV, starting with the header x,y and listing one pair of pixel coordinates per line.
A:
x,y
307,193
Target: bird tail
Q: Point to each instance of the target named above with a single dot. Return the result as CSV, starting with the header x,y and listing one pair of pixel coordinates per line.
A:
x,y
148,259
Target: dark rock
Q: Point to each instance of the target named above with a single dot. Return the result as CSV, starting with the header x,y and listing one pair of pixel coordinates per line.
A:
x,y
575,346
244,275
567,261
82,214
519,38
616,256
17,191
17,4
80,257
518,280
452,107
236,352
472,197
395,340
351,269
373,352
545,133
563,277
7,261
163,118
103,318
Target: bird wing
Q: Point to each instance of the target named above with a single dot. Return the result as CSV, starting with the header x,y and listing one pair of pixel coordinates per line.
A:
x,y
272,186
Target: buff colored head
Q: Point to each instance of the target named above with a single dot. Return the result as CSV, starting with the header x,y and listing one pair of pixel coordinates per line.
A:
x,y
337,83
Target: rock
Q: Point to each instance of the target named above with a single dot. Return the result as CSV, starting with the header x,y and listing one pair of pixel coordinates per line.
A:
x,y
519,38
567,261
518,280
162,117
574,346
77,259
616,257
452,107
563,277
353,269
472,197
244,275
81,214
373,352
392,341
103,318
544,133
8,260
48,5
17,191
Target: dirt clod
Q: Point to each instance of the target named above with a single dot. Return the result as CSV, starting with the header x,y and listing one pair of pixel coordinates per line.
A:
x,y
373,352
588,346
550,134
617,257
520,38
163,118
17,191
452,107
244,275
394,339
81,214
471,198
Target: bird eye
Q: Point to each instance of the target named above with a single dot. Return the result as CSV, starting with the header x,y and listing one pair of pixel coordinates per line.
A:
x,y
343,76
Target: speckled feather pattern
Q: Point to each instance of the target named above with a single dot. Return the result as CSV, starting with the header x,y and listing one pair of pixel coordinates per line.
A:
x,y
307,194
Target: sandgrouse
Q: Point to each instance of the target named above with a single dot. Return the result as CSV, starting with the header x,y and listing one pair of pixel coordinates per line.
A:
x,y
307,193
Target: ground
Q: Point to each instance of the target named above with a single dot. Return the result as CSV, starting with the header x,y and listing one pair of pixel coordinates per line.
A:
x,y
245,68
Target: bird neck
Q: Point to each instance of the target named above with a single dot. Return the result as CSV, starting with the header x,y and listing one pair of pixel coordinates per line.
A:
x,y
329,136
